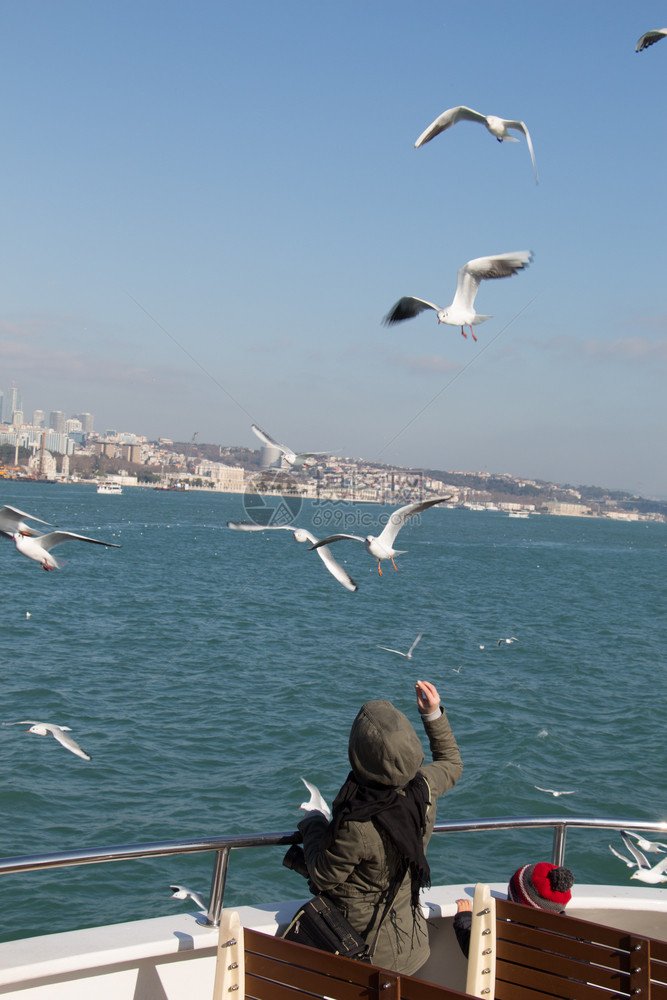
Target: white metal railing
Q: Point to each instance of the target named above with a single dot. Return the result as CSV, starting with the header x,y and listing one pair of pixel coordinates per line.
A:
x,y
222,846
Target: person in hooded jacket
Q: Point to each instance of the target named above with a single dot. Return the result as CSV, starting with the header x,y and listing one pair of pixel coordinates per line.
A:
x,y
370,859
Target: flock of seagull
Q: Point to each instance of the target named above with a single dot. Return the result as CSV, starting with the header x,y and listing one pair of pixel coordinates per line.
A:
x,y
36,545
646,872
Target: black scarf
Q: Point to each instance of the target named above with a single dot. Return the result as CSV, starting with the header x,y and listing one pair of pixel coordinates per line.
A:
x,y
401,816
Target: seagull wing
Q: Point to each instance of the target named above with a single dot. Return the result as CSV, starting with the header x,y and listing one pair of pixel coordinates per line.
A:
x,y
400,516
415,643
649,38
630,864
268,440
660,866
407,308
335,538
393,650
57,537
11,519
521,127
501,265
640,858
251,526
334,567
446,120
66,740
316,800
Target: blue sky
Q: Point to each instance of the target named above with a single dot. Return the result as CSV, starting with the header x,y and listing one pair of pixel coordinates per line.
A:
x,y
244,173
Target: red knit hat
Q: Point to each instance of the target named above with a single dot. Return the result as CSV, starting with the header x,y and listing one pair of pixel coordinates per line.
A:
x,y
542,886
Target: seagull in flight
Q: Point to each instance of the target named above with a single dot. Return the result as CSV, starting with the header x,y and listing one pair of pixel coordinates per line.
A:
x,y
39,548
552,791
297,460
11,521
650,38
408,655
650,846
462,310
59,732
645,872
301,535
381,546
316,800
497,127
182,892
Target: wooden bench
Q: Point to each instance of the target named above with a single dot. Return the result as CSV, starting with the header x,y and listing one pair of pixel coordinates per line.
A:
x,y
517,953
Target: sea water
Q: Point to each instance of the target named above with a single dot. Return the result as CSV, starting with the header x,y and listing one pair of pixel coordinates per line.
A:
x,y
205,671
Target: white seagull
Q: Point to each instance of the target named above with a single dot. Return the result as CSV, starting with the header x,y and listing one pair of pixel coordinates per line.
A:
x,y
48,728
301,535
650,846
298,460
645,873
462,310
182,892
381,546
316,800
552,791
649,38
408,655
497,127
11,521
39,548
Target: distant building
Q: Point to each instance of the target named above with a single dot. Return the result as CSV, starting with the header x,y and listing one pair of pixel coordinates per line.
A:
x,y
87,422
567,509
57,421
73,426
38,418
12,403
270,457
130,453
227,478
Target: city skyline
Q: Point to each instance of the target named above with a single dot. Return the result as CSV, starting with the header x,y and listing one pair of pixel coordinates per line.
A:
x,y
217,230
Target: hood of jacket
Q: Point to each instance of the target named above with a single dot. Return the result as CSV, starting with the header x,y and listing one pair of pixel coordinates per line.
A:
x,y
384,748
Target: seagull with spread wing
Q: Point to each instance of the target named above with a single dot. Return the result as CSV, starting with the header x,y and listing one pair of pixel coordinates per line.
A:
x,y
49,728
497,127
382,546
462,310
39,548
11,521
408,655
301,535
297,460
650,38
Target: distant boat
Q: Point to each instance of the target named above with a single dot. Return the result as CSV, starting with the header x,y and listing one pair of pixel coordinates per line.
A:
x,y
518,513
109,487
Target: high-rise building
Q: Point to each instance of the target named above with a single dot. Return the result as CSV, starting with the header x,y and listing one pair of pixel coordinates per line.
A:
x,y
87,421
2,400
57,421
13,402
38,417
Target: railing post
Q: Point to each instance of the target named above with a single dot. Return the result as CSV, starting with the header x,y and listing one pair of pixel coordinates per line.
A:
x,y
558,852
217,887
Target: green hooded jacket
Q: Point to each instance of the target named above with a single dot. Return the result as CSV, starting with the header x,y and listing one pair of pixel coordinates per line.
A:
x,y
356,871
